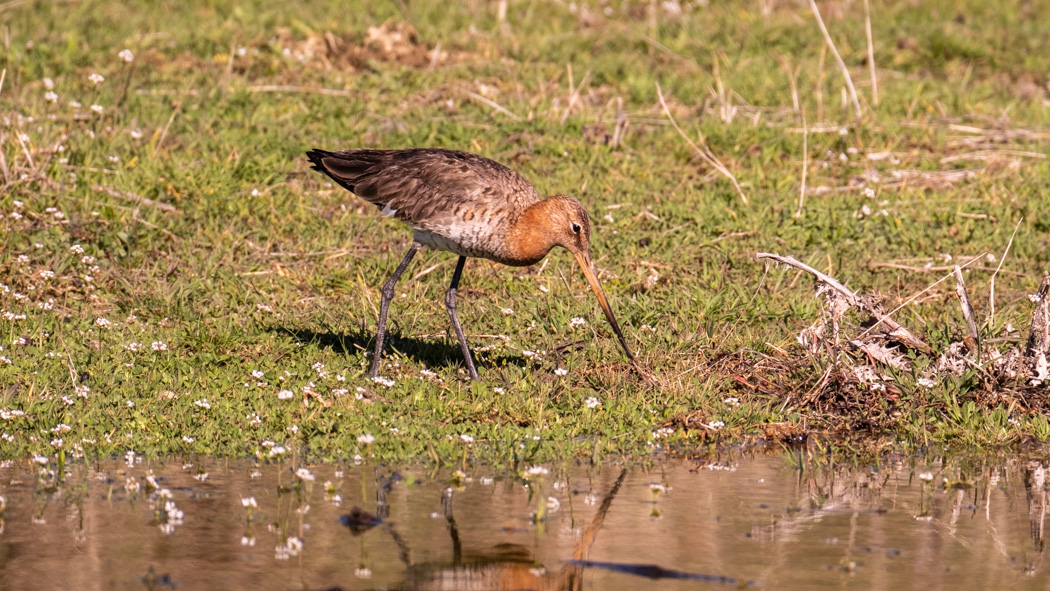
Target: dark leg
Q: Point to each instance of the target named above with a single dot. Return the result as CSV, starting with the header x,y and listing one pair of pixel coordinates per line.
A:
x,y
388,294
450,305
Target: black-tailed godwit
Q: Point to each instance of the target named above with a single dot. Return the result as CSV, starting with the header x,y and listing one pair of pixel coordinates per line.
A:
x,y
467,205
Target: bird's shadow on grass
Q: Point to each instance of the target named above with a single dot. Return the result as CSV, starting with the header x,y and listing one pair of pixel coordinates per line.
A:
x,y
429,352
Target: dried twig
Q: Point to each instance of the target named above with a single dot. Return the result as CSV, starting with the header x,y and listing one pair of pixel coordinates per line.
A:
x,y
703,152
838,58
896,331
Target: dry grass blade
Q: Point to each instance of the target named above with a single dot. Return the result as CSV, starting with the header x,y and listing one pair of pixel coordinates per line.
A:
x,y
992,155
835,52
128,196
967,310
991,283
805,166
304,90
704,153
871,55
491,103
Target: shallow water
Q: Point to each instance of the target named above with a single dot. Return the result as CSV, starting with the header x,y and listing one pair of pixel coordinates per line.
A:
x,y
918,523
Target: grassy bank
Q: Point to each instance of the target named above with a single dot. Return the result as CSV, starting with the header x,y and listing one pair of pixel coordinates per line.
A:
x,y
170,265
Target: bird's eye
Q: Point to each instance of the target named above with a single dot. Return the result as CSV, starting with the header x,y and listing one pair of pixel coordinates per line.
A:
x,y
575,228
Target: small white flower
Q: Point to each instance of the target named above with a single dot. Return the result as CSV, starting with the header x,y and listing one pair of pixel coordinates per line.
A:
x,y
256,193
663,433
131,404
926,382
561,371
50,97
76,249
869,192
285,395
732,401
57,443
715,425
363,573
187,439
49,84
159,346
499,390
47,274
75,104
97,109
203,403
383,381
466,438
135,134
126,56
103,323
927,476
305,474
544,289
257,374
506,311
592,402
366,439
96,78
248,502
577,321
537,471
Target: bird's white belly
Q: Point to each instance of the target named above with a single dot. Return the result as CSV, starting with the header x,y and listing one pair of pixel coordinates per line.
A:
x,y
464,243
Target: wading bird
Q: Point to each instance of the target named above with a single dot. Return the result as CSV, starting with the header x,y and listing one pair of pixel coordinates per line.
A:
x,y
467,205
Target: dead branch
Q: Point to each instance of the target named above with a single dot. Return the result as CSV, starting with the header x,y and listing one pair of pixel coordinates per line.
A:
x,y
898,332
1039,337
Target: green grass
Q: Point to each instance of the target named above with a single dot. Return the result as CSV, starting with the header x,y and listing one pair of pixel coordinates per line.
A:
x,y
260,265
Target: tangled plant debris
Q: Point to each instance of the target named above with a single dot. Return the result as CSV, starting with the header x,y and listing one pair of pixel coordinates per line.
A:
x,y
877,360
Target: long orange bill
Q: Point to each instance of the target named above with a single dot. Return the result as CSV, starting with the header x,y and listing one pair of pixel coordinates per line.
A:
x,y
596,287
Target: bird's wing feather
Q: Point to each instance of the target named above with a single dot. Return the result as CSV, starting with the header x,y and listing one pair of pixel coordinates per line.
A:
x,y
426,186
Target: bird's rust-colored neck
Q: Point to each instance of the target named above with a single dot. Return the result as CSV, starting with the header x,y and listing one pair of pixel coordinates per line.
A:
x,y
530,238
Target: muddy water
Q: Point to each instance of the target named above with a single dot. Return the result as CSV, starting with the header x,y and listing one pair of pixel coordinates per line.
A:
x,y
764,521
